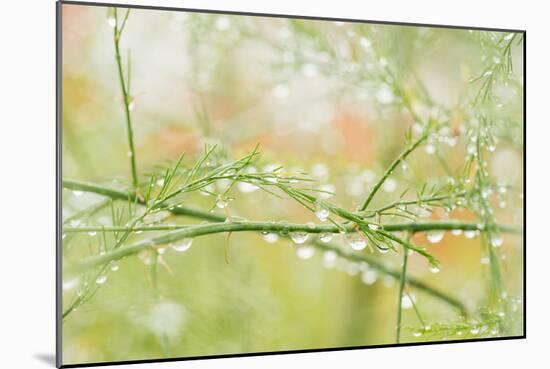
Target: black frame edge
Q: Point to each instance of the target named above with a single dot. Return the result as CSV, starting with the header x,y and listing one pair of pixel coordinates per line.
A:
x,y
58,168
291,16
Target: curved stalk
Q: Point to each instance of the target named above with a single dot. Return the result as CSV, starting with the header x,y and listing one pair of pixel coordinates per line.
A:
x,y
390,169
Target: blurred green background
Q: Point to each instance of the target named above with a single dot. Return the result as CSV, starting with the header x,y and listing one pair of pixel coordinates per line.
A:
x,y
314,97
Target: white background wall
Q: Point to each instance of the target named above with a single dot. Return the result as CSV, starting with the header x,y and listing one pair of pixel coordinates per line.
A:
x,y
27,182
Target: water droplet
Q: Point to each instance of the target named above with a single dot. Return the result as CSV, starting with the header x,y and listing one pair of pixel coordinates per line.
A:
x,y
166,319
160,182
320,171
384,95
223,23
161,249
408,301
101,279
114,267
435,236
365,42
434,269
329,259
491,147
470,233
417,334
369,277
496,240
305,252
456,232
373,226
326,237
280,91
221,202
485,193
92,233
390,185
111,21
430,149
129,154
299,237
70,283
472,149
246,187
485,260
356,241
271,237
182,245
131,104
404,166
309,70
78,193
321,212
502,204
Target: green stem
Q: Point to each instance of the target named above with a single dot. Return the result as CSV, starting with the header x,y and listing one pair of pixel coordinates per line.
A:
x,y
199,214
353,256
402,282
390,170
278,227
126,99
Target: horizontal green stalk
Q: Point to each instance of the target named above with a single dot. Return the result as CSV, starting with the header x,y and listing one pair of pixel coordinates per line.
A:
x,y
213,228
260,226
308,228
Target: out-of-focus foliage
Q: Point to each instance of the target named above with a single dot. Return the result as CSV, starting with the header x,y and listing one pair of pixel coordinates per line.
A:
x,y
256,119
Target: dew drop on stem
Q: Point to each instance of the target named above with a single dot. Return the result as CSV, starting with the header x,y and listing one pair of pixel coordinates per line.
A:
x,y
434,269
321,212
496,240
456,232
299,237
182,245
270,237
326,237
435,236
356,241
407,301
101,279
470,234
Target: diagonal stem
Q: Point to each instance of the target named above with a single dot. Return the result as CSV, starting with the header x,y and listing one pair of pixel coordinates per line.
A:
x,y
390,170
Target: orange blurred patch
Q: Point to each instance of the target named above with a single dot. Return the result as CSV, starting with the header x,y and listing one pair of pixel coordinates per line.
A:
x,y
171,141
357,135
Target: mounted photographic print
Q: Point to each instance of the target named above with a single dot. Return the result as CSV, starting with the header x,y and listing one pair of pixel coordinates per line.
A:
x,y
238,184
